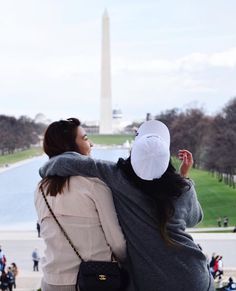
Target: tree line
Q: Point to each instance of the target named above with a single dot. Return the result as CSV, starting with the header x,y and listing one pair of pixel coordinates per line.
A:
x,y
18,134
211,139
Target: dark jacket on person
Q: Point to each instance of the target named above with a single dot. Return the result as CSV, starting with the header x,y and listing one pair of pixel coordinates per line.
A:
x,y
4,282
153,265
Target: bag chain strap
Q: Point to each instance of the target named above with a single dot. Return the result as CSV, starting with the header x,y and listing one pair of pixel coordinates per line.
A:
x,y
62,229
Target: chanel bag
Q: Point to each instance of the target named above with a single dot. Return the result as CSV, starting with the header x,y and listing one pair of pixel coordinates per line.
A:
x,y
99,276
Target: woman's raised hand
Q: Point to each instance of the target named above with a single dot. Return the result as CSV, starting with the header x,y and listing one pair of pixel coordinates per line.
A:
x,y
187,162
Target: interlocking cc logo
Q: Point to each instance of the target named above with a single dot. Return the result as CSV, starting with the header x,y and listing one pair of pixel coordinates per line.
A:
x,y
102,277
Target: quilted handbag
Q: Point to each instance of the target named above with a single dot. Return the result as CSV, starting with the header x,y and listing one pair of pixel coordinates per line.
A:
x,y
99,276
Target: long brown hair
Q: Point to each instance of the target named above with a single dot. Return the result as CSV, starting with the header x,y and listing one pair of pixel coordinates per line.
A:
x,y
59,137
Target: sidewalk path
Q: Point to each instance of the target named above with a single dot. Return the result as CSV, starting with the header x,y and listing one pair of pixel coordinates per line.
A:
x,y
18,247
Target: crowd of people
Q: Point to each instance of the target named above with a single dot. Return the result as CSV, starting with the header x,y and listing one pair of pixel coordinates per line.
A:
x,y
216,266
7,274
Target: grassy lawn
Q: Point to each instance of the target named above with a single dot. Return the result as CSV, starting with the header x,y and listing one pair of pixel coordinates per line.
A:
x,y
116,139
216,198
19,156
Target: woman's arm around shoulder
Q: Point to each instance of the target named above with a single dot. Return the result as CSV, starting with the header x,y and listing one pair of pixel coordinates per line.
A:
x,y
73,164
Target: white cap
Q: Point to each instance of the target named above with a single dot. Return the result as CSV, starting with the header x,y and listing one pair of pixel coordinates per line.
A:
x,y
150,154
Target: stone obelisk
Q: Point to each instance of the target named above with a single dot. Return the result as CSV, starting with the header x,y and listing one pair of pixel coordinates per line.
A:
x,y
106,102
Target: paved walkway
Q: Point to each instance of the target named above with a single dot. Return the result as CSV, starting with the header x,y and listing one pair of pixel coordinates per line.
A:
x,y
28,281
18,247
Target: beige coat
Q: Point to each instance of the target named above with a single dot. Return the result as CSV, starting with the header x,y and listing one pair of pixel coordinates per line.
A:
x,y
86,211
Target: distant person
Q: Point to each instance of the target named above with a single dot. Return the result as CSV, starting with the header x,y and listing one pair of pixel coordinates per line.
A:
x,y
38,228
218,267
219,221
35,258
3,260
231,285
15,272
10,278
85,209
3,281
234,230
226,221
154,204
212,264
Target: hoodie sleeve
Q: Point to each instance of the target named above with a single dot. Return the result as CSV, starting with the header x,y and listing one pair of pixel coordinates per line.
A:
x,y
195,213
73,164
188,211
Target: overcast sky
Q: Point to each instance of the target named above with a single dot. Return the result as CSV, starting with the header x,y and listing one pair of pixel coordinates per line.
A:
x,y
164,54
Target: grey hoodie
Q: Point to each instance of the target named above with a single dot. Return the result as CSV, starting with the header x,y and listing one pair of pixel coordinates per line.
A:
x,y
153,265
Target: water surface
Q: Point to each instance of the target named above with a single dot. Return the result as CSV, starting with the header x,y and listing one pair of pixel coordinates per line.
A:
x,y
17,186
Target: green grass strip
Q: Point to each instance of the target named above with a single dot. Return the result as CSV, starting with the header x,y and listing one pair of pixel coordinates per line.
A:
x,y
115,139
19,156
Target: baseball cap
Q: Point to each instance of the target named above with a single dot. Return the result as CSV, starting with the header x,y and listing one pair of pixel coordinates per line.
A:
x,y
150,154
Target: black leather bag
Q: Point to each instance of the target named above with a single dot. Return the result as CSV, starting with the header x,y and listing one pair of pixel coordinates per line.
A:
x,y
100,276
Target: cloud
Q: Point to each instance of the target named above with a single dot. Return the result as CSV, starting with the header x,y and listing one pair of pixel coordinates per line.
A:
x,y
224,59
190,63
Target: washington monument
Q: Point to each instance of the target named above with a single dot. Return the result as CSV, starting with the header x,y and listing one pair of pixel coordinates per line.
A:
x,y
106,102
